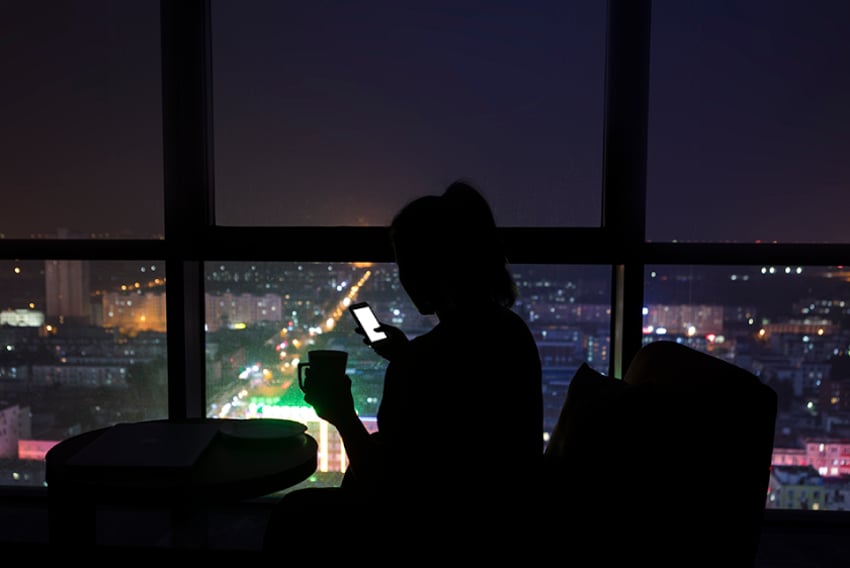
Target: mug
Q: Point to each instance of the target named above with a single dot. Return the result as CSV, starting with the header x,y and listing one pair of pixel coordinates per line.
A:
x,y
323,363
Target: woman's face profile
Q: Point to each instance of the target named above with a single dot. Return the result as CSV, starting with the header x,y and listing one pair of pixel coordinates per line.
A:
x,y
415,277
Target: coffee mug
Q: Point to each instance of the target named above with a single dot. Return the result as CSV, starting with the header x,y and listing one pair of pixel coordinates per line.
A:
x,y
323,364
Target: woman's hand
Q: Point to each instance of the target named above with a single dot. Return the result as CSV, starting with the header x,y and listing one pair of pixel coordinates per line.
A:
x,y
331,398
388,348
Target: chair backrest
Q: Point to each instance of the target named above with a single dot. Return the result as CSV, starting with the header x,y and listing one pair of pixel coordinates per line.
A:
x,y
672,462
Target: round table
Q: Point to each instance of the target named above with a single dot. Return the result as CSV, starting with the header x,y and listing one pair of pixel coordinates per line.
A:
x,y
230,468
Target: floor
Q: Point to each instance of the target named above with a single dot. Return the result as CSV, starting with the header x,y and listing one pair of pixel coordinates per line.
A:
x,y
239,530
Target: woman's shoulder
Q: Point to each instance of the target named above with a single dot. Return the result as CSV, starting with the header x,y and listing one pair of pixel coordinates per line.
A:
x,y
506,319
489,330
493,326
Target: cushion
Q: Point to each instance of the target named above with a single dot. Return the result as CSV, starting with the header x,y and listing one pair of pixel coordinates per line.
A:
x,y
589,400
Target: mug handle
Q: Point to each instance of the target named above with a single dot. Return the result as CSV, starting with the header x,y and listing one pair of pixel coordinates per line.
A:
x,y
303,365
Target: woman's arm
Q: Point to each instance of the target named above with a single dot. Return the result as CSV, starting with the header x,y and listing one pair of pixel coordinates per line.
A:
x,y
334,403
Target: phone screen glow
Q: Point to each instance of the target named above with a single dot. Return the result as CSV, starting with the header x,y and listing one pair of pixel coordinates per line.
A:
x,y
367,320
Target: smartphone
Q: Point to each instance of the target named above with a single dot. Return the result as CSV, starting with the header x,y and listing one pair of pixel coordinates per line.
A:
x,y
367,320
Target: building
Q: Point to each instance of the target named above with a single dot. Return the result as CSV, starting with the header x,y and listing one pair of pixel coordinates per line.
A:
x,y
795,487
829,458
10,429
67,291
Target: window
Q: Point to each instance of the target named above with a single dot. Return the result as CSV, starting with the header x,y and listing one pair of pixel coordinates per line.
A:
x,y
337,113
747,122
204,240
82,271
262,317
81,151
786,324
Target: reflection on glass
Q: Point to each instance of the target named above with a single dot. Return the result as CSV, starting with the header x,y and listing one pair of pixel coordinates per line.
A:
x,y
789,326
263,317
83,347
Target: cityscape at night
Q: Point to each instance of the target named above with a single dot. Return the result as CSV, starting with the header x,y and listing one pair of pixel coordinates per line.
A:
x,y
99,358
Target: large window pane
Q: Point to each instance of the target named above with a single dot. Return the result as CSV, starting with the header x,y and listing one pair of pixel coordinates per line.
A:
x,y
568,308
262,318
337,113
748,121
83,347
81,142
789,326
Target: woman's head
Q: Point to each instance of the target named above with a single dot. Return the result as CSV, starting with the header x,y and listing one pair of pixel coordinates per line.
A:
x,y
448,251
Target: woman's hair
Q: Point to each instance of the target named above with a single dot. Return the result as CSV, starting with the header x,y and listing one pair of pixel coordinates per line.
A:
x,y
456,232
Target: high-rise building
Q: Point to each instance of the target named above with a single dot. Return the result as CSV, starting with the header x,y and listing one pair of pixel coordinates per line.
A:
x,y
67,285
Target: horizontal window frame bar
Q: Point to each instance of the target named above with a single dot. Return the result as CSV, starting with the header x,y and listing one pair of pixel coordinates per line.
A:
x,y
802,254
595,246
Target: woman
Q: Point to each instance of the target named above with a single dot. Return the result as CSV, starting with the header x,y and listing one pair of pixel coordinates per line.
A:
x,y
460,423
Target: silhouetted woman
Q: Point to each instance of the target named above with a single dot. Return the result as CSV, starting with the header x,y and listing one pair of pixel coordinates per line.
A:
x,y
460,425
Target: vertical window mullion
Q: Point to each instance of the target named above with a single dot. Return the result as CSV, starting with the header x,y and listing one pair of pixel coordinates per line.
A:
x,y
188,195
624,168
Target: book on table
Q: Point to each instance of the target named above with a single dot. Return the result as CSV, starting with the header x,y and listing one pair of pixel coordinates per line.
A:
x,y
156,445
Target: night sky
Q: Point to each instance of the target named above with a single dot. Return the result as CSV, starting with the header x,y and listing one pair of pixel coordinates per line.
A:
x,y
336,113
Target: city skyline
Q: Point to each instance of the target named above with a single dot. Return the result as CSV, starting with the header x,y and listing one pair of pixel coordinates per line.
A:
x,y
782,360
